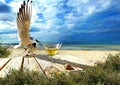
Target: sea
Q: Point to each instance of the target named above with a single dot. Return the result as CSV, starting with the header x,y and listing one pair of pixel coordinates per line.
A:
x,y
91,46
82,46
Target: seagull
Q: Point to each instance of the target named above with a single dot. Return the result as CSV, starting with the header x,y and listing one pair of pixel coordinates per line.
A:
x,y
23,25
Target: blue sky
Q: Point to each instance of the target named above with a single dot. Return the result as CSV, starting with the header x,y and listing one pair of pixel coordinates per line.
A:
x,y
67,21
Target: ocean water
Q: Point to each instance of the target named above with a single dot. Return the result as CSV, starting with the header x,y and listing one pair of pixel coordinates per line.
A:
x,y
92,46
89,47
84,46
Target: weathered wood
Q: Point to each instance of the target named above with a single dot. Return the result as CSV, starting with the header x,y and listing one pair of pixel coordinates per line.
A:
x,y
36,64
40,67
5,64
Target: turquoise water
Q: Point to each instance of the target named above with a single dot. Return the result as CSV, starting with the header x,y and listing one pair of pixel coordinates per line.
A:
x,y
91,46
85,46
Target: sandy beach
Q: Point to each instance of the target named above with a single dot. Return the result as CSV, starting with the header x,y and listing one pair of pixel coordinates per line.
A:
x,y
86,57
40,61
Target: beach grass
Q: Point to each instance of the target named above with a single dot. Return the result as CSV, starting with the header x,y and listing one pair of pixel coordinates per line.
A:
x,y
107,73
4,52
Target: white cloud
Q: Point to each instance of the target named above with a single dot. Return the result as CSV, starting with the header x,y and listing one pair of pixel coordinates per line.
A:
x,y
46,35
97,31
88,6
49,12
7,25
81,10
91,9
8,38
48,22
15,5
69,26
2,1
8,20
84,1
105,3
11,36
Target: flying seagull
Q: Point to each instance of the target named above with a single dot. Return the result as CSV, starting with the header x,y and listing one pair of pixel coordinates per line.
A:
x,y
23,24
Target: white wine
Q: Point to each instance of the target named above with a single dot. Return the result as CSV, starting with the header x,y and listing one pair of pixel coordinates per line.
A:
x,y
52,51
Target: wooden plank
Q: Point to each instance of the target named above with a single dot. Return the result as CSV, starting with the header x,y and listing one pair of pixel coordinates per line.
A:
x,y
3,61
44,63
73,60
14,63
31,64
41,68
5,64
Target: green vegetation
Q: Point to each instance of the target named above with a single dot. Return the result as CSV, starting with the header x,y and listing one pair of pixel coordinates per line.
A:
x,y
22,77
107,73
4,52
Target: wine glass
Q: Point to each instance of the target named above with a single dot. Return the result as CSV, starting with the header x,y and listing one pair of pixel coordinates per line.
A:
x,y
52,49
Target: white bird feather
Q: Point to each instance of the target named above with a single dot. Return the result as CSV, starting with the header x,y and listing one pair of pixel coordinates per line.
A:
x,y
23,24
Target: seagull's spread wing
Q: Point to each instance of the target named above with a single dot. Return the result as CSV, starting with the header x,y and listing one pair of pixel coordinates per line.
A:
x,y
23,22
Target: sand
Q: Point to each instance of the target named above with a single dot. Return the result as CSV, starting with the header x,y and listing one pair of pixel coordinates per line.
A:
x,y
85,57
78,59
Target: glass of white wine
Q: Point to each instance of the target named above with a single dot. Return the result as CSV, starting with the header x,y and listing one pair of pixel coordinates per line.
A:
x,y
52,49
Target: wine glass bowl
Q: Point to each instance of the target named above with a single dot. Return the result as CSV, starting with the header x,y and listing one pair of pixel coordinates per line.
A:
x,y
52,49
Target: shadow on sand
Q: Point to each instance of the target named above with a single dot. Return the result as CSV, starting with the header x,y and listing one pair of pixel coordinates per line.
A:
x,y
59,61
